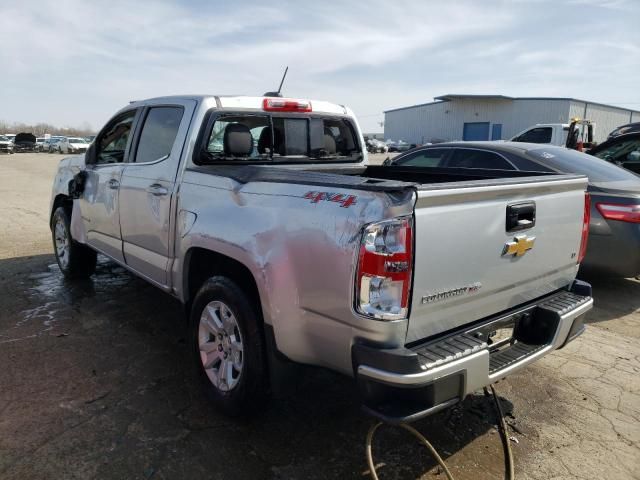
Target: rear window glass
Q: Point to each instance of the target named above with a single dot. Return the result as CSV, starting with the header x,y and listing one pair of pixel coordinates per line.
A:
x,y
570,161
526,164
258,127
259,137
468,158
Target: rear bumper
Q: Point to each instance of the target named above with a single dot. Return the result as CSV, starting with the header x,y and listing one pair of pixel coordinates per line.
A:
x,y
406,384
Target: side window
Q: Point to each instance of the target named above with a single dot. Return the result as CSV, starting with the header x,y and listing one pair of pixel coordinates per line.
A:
x,y
112,142
537,135
158,133
478,159
425,158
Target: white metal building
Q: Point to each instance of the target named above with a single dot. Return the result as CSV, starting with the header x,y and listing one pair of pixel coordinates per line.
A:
x,y
495,117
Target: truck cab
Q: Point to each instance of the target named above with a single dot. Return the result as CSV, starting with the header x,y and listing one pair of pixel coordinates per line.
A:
x,y
547,133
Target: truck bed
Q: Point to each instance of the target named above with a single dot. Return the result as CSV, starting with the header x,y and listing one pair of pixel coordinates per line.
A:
x,y
379,178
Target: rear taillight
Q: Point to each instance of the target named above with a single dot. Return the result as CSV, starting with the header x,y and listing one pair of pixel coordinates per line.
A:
x,y
285,105
383,279
622,213
585,227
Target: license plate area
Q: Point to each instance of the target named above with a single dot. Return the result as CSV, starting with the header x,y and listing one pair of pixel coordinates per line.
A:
x,y
503,332
528,326
499,334
502,336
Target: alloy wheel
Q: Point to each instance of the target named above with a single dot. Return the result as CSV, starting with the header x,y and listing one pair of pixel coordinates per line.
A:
x,y
221,347
62,241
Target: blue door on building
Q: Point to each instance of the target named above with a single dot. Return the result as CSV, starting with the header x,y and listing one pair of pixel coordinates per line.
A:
x,y
496,131
476,131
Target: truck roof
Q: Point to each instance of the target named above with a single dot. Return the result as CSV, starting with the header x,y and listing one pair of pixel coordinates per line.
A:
x,y
244,101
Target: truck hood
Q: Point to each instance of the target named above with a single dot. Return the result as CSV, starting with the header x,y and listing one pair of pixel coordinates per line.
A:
x,y
25,138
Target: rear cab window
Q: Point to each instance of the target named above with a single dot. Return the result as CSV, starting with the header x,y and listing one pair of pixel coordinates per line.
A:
x,y
278,138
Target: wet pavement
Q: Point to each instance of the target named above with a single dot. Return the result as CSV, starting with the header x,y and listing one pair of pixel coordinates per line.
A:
x,y
96,383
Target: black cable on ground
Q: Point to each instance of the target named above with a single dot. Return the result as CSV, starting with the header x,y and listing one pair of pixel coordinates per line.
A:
x,y
508,454
504,433
415,433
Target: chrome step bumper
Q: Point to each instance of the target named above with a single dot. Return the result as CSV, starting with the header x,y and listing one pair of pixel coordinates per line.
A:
x,y
445,370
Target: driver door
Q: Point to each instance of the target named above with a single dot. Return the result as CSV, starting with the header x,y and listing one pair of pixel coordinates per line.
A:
x,y
99,202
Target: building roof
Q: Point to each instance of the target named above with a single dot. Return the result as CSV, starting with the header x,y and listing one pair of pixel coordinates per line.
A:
x,y
457,96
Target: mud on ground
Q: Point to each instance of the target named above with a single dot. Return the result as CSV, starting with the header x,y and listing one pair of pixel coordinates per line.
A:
x,y
95,383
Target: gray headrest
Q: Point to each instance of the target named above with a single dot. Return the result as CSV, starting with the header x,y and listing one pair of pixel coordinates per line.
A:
x,y
329,144
237,140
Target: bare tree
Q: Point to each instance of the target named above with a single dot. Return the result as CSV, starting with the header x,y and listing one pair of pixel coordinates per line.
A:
x,y
39,129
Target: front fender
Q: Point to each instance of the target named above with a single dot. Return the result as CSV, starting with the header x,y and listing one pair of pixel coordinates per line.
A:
x,y
67,169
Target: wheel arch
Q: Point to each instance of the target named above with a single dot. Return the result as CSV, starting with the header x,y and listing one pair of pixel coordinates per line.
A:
x,y
201,263
61,200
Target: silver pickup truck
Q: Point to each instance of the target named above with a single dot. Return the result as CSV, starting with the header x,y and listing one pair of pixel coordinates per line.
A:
x,y
262,215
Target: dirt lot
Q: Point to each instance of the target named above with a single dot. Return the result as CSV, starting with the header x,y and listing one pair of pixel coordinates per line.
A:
x,y
95,384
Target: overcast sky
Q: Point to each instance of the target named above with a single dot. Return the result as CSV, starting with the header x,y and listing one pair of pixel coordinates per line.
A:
x,y
70,62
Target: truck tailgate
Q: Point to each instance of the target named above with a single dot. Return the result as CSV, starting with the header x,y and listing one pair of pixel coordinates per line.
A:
x,y
462,272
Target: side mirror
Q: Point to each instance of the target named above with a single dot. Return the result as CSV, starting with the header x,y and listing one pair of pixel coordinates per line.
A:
x,y
90,157
387,162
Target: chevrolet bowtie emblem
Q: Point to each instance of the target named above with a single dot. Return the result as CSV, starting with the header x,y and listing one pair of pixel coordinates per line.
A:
x,y
520,245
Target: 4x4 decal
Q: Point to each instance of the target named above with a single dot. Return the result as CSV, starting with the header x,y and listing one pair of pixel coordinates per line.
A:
x,y
345,201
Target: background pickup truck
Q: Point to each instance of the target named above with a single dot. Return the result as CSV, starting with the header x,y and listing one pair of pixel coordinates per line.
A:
x,y
261,215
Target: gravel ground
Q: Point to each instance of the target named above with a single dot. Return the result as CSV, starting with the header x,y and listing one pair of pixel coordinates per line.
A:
x,y
95,383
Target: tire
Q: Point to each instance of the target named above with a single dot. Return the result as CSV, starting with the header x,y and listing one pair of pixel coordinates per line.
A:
x,y
74,259
242,388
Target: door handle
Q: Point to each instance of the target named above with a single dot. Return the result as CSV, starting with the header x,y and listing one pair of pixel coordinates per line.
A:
x,y
114,184
520,216
157,190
